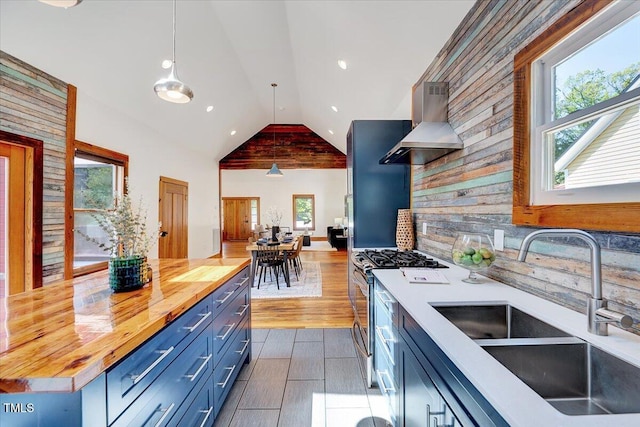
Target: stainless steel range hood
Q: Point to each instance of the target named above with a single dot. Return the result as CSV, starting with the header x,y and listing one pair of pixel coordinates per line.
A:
x,y
432,136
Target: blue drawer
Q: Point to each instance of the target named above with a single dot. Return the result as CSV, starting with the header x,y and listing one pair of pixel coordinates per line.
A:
x,y
227,322
127,380
200,412
387,303
387,376
162,400
231,363
226,293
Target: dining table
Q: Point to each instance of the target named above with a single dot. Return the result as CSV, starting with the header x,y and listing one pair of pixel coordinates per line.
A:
x,y
284,246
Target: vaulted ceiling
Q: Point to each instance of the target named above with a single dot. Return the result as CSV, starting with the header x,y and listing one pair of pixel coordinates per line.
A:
x,y
229,53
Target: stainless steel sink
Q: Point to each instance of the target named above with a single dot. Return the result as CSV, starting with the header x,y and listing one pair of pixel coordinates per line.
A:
x,y
575,378
497,321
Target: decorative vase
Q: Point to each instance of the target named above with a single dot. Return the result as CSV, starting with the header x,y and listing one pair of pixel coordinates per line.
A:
x,y
404,230
127,273
275,229
473,251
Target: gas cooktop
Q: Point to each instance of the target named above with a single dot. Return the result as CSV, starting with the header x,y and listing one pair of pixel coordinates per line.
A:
x,y
389,258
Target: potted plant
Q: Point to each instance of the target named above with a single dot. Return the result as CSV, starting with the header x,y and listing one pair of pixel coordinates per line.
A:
x,y
128,242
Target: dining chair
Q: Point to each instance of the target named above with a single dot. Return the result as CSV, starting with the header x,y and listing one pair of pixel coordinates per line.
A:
x,y
268,258
293,257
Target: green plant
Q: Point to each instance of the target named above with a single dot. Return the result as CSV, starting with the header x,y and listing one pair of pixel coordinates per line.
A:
x,y
125,226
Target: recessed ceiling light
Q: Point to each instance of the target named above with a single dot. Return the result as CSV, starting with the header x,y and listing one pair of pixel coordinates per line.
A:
x,y
166,64
209,108
330,131
233,132
334,108
342,64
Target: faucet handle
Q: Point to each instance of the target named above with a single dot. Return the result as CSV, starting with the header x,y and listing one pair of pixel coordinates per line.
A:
x,y
604,315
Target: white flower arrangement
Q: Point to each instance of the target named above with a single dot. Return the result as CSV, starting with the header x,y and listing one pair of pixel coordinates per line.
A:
x,y
126,228
275,215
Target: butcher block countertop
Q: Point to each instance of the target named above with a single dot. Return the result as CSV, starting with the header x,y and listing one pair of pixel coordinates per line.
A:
x,y
60,337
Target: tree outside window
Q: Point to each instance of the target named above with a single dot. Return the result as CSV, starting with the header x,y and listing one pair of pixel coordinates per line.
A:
x,y
98,179
304,212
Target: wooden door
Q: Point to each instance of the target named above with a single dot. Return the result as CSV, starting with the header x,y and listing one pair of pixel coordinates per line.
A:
x,y
173,241
237,217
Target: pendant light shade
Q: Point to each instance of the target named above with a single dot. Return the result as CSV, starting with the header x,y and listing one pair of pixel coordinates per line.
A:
x,y
274,172
171,88
61,3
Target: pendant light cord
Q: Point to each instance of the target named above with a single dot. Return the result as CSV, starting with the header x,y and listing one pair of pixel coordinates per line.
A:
x,y
274,121
174,31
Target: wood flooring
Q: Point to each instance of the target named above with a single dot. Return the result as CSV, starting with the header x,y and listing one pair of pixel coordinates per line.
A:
x,y
332,310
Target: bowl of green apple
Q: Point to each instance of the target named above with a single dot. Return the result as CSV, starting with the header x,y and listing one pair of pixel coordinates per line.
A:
x,y
474,252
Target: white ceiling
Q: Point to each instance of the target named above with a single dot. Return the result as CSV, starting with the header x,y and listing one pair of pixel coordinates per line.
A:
x,y
229,53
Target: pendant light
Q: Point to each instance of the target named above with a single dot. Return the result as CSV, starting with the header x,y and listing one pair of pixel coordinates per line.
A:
x,y
61,3
171,88
274,172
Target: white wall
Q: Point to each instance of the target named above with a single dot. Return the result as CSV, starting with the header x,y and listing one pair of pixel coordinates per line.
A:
x,y
329,187
152,156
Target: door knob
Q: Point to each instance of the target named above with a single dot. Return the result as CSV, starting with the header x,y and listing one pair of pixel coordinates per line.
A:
x,y
164,233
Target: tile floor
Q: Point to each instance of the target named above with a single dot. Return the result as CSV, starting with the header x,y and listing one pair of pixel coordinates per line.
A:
x,y
302,378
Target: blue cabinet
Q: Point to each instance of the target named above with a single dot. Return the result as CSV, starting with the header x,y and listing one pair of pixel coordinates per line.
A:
x,y
378,191
434,391
180,376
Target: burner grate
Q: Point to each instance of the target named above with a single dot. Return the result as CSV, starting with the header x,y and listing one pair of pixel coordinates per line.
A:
x,y
388,258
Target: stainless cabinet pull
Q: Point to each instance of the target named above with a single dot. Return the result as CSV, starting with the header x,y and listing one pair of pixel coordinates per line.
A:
x,y
386,389
224,337
228,294
194,375
246,344
244,310
137,378
165,415
206,417
385,342
194,327
243,282
230,369
428,415
384,300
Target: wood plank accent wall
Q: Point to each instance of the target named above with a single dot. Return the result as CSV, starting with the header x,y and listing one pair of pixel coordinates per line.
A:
x,y
34,104
296,147
471,190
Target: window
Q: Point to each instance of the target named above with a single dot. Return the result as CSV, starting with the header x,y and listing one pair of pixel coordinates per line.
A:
x,y
98,177
577,120
304,212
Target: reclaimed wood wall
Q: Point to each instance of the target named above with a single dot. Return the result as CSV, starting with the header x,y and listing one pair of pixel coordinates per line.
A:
x,y
471,190
296,147
34,104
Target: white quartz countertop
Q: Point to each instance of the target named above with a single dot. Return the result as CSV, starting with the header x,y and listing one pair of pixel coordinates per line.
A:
x,y
516,402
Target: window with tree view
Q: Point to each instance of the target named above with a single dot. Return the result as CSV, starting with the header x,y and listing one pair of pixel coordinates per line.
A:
x,y
97,181
586,113
304,212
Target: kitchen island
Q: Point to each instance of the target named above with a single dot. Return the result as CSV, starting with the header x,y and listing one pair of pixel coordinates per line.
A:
x,y
83,346
490,382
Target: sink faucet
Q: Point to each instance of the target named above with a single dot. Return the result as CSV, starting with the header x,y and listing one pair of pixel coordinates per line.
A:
x,y
597,313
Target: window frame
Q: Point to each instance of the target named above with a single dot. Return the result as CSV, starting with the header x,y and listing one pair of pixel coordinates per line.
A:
x,y
596,216
90,151
313,211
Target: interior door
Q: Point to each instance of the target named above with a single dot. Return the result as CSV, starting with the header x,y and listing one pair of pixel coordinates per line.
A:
x,y
237,217
17,227
174,218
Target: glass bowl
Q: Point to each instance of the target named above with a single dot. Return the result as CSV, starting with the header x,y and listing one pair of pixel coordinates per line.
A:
x,y
474,252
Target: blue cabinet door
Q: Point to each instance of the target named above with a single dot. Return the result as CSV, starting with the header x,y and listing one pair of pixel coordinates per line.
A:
x,y
378,190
